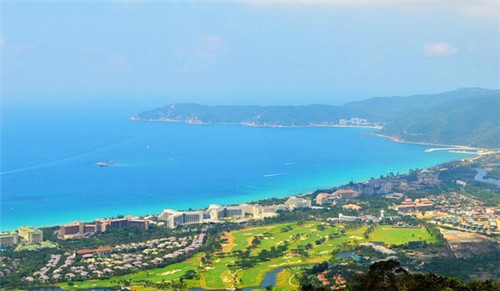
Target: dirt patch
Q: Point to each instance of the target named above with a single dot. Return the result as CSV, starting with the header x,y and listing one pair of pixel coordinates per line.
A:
x,y
228,246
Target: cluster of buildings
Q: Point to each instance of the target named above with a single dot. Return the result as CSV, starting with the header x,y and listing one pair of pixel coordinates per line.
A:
x,y
216,213
80,229
331,198
94,263
408,205
354,121
26,234
458,211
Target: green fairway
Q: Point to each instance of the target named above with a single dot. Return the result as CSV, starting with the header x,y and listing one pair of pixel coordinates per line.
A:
x,y
221,271
169,273
398,236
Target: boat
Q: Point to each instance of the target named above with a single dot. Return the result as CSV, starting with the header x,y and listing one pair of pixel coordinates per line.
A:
x,y
104,164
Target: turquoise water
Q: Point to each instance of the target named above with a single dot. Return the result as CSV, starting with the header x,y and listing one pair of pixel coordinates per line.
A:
x,y
49,176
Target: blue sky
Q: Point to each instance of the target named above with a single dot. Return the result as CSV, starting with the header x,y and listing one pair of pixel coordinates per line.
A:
x,y
259,52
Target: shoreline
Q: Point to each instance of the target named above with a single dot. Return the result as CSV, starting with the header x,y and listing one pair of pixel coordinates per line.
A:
x,y
195,122
300,194
309,191
400,140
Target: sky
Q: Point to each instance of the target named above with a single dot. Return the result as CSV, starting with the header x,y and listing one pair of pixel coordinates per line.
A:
x,y
245,52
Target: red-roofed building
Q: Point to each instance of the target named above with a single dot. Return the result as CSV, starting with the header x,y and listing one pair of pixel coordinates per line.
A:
x,y
346,193
101,251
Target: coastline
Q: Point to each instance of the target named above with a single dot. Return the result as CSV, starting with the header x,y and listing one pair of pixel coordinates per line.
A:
x,y
197,122
299,194
400,140
150,209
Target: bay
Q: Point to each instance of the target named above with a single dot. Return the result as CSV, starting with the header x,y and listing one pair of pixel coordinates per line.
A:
x,y
49,177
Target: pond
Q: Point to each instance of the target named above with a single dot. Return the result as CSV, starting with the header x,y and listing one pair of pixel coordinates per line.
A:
x,y
480,177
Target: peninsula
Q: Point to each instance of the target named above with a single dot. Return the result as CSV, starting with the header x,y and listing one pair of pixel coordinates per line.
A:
x,y
465,117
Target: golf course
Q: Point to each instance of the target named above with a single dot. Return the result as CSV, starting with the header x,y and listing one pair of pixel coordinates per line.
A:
x,y
248,254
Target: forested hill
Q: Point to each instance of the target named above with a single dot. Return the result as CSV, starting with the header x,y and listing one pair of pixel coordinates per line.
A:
x,y
467,116
391,109
250,115
471,121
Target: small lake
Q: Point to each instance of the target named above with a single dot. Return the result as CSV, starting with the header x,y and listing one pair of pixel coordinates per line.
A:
x,y
480,177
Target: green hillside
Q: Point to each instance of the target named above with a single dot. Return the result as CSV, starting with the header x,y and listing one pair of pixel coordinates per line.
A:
x,y
472,121
467,116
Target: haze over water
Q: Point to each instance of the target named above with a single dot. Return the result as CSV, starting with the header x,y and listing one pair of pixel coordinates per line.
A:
x,y
49,176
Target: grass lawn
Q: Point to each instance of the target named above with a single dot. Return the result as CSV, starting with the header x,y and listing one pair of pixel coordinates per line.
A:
x,y
399,236
169,273
32,247
286,280
218,275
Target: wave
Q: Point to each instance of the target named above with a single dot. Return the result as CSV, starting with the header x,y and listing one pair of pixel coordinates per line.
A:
x,y
60,161
277,174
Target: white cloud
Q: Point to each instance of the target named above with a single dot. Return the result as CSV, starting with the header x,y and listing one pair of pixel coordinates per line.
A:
x,y
481,10
204,54
210,48
439,49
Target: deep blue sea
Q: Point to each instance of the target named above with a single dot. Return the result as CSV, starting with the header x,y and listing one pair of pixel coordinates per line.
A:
x,y
48,155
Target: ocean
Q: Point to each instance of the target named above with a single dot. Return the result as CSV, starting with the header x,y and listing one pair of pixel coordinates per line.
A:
x,y
48,174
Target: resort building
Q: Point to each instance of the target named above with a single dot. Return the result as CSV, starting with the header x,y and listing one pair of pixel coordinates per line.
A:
x,y
325,199
77,230
8,239
352,207
346,193
295,202
101,251
217,212
395,196
175,218
417,205
252,209
31,234
274,208
104,225
167,213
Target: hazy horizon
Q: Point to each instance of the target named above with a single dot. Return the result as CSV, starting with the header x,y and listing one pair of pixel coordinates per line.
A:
x,y
264,52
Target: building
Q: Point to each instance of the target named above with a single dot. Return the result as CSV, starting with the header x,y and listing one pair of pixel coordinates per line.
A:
x,y
8,239
343,121
347,218
77,230
417,205
175,218
101,251
31,234
217,212
325,199
268,209
295,202
395,196
346,193
252,209
167,213
352,207
104,225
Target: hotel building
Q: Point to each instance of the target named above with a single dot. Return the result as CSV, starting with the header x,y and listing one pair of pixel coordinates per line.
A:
x,y
295,202
8,239
77,230
175,218
217,212
31,234
104,225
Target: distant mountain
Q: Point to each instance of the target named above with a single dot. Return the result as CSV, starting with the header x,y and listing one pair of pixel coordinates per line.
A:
x,y
467,116
250,115
390,109
471,121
